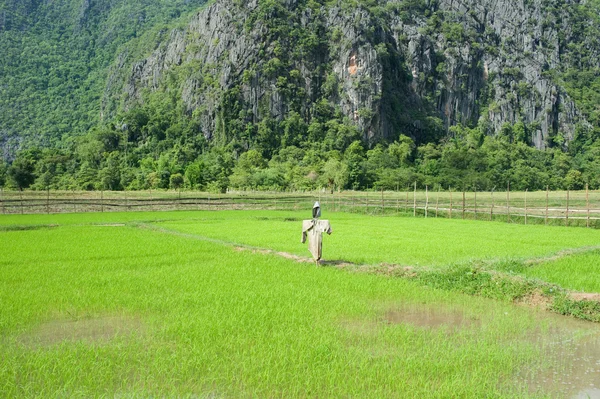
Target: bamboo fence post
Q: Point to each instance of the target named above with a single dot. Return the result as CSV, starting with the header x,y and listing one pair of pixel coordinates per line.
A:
x,y
567,210
508,203
463,204
426,201
526,205
332,201
587,204
450,202
415,201
546,215
437,202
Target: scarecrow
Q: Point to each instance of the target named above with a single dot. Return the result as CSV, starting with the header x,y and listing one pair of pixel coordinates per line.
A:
x,y
314,229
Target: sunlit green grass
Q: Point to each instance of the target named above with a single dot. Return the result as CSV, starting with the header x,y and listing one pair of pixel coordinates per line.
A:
x,y
212,322
579,272
402,240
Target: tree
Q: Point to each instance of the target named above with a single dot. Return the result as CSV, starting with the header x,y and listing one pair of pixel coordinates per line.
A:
x,y
176,181
335,174
21,172
193,175
3,173
110,175
402,149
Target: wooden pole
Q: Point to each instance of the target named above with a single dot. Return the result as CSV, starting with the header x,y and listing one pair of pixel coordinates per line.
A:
x,y
1,200
21,197
415,201
546,215
587,203
508,203
102,200
367,192
406,202
397,201
74,202
567,211
526,205
426,201
47,200
382,203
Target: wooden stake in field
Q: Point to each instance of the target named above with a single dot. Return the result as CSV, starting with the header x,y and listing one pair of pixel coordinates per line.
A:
x,y
426,201
74,202
406,202
415,201
102,200
21,197
508,203
567,211
546,214
587,204
526,205
47,201
382,203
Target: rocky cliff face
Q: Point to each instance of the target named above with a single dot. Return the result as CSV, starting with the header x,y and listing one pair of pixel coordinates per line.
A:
x,y
416,69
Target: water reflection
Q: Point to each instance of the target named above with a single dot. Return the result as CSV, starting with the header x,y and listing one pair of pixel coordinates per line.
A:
x,y
570,367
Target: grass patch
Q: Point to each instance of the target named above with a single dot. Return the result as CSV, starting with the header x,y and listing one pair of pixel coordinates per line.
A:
x,y
576,272
100,307
223,323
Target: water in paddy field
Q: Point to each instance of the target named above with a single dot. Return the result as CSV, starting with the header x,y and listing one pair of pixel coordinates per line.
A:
x,y
571,369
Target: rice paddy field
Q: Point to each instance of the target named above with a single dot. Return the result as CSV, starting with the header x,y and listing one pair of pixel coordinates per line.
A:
x,y
227,304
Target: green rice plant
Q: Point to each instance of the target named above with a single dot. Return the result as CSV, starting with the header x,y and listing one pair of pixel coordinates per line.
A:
x,y
579,272
409,241
183,317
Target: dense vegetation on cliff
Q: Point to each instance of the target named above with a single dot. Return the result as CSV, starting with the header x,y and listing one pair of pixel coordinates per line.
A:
x,y
361,94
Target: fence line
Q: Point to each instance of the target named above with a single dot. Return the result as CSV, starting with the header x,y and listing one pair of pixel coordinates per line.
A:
x,y
570,208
